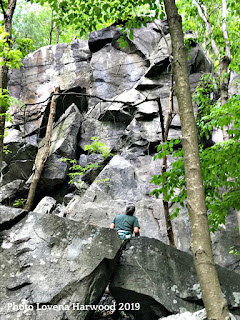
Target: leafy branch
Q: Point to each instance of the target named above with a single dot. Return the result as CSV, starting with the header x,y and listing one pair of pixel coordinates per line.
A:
x,y
96,147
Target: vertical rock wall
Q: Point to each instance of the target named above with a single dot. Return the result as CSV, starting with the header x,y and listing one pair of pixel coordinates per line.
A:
x,y
132,77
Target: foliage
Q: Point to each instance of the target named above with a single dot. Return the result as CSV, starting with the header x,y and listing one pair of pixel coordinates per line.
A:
x,y
98,147
172,182
193,22
28,23
234,251
6,150
9,57
95,147
77,169
220,163
4,99
19,203
98,14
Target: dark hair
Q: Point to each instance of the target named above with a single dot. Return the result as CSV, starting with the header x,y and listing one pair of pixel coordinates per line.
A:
x,y
130,209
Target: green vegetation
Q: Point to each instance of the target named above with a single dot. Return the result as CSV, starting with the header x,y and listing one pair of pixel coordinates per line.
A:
x,y
220,163
213,10
96,147
28,23
19,203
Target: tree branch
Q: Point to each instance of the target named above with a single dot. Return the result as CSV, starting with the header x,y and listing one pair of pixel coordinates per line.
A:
x,y
224,28
2,7
79,94
11,8
203,15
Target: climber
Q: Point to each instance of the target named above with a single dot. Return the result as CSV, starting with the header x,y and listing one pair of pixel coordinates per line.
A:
x,y
126,224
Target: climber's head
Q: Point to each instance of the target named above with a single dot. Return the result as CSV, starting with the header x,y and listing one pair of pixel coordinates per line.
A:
x,y
130,209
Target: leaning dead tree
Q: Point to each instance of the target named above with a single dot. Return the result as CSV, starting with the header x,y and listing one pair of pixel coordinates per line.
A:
x,y
43,153
165,130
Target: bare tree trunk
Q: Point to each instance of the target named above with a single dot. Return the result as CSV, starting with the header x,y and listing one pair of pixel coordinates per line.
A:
x,y
164,169
7,14
215,304
3,86
42,156
203,14
224,28
224,64
164,138
58,34
224,81
238,219
51,30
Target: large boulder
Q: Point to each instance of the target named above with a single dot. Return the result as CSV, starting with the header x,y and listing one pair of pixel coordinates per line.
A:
x,y
198,315
163,281
120,186
46,205
11,191
98,39
10,216
64,134
19,158
225,240
63,145
51,267
128,180
18,170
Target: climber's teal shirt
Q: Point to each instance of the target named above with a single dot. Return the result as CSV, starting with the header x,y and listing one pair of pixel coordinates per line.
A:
x,y
125,222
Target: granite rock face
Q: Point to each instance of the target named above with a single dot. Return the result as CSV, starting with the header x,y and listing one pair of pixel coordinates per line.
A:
x,y
63,145
50,261
61,65
127,121
19,161
11,191
10,216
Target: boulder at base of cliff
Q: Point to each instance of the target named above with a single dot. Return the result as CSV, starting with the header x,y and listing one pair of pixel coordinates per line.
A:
x,y
52,267
199,315
163,281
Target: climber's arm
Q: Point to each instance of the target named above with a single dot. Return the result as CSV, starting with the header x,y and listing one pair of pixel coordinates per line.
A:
x,y
136,231
112,226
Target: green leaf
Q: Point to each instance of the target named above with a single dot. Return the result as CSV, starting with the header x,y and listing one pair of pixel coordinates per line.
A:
x,y
124,44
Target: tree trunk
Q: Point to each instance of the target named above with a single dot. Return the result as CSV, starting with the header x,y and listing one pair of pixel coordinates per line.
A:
x,y
224,81
51,30
164,169
42,156
3,86
58,34
238,219
7,14
215,304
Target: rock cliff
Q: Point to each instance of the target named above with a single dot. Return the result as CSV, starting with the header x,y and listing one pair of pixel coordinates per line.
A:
x,y
107,92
